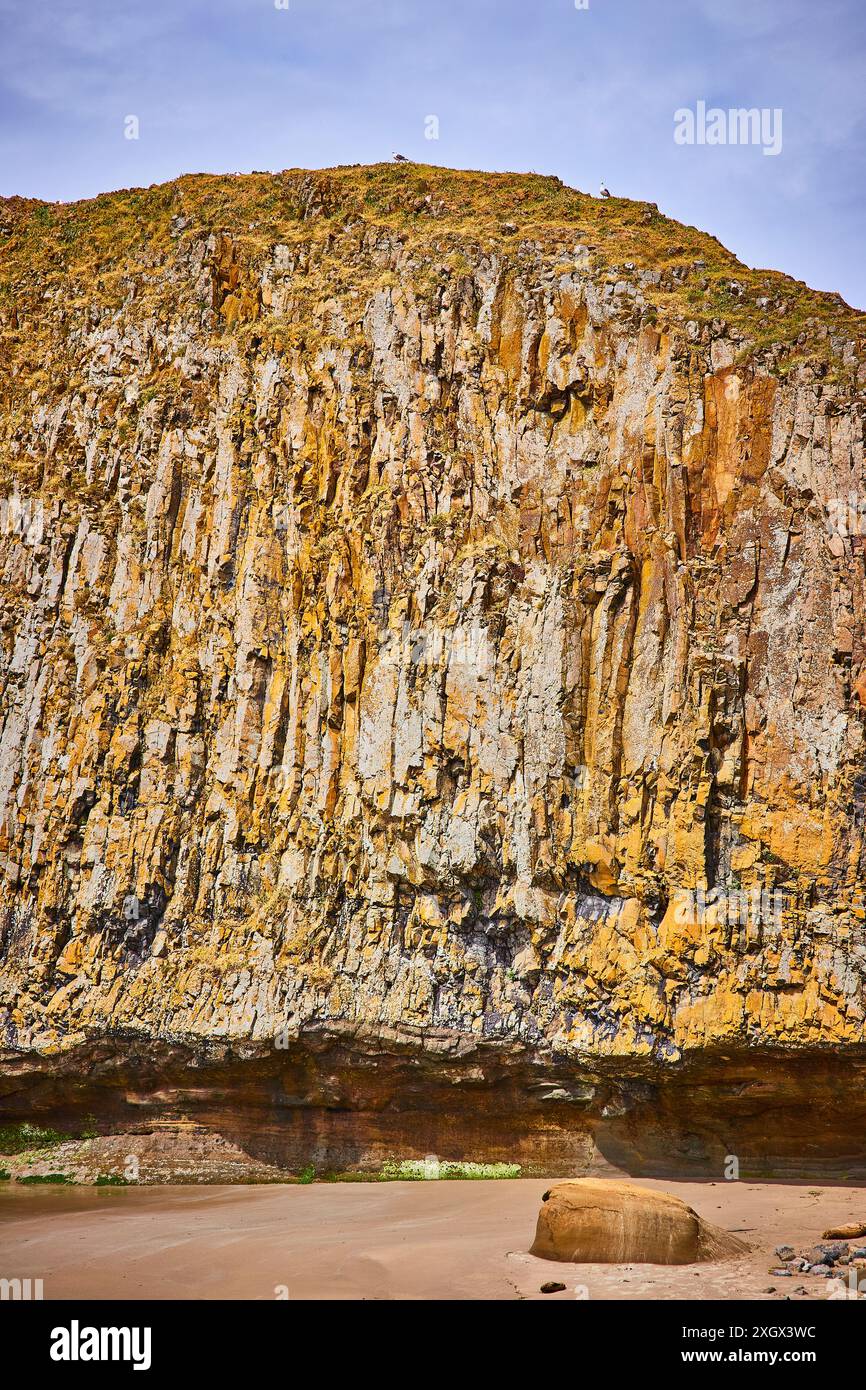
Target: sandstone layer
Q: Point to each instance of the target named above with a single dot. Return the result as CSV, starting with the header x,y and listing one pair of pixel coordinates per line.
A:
x,y
431,647
596,1221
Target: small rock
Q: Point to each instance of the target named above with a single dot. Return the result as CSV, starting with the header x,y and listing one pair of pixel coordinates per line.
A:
x,y
784,1252
552,1288
817,1256
830,1252
780,1273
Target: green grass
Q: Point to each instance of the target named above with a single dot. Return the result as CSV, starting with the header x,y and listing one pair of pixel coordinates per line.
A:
x,y
16,1139
110,1180
416,1170
5,1176
57,1179
449,216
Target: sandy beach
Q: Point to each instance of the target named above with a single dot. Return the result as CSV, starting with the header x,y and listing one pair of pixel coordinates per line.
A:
x,y
395,1240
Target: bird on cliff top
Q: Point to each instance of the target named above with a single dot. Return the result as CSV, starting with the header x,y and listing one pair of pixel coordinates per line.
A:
x,y
603,192
400,159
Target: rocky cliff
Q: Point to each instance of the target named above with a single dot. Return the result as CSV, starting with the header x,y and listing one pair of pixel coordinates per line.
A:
x,y
431,645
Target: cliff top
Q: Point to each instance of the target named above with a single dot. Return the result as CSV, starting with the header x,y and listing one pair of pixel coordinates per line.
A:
x,y
685,273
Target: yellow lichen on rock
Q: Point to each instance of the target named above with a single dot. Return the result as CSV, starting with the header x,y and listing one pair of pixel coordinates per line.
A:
x,y
411,633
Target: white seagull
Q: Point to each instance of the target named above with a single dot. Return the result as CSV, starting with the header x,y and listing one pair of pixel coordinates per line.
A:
x,y
400,159
603,192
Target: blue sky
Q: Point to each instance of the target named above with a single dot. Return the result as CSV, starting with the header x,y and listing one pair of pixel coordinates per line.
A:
x,y
588,94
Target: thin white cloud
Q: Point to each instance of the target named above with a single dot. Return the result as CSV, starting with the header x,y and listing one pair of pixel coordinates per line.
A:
x,y
586,94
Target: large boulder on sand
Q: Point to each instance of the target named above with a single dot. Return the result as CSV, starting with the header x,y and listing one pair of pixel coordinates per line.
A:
x,y
601,1221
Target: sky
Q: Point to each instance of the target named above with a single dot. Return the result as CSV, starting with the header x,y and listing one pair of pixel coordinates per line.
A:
x,y
585,89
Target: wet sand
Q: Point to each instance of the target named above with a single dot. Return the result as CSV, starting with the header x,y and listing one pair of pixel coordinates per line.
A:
x,y
401,1240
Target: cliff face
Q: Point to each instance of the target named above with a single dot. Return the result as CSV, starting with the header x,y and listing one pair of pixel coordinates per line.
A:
x,y
432,673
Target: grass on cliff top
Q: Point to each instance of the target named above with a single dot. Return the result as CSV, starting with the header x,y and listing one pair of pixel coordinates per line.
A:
x,y
104,239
